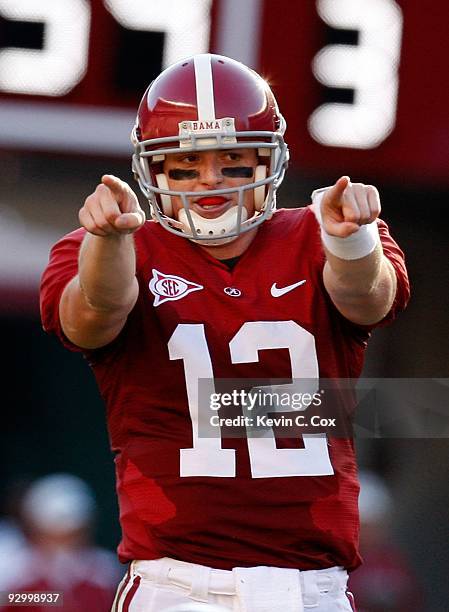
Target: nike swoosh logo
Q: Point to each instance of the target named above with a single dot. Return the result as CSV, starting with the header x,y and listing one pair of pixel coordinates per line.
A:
x,y
279,291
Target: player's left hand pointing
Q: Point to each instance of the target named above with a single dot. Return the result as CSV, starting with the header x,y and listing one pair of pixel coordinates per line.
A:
x,y
346,206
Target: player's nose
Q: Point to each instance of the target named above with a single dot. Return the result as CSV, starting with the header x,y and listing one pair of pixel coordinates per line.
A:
x,y
211,173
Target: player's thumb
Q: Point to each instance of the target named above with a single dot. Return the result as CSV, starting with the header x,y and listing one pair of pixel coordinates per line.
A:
x,y
130,221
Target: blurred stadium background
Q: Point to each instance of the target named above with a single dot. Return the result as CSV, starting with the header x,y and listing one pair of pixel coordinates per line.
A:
x,y
364,88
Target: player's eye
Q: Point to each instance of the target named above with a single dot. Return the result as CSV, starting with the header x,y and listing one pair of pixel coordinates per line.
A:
x,y
189,159
233,156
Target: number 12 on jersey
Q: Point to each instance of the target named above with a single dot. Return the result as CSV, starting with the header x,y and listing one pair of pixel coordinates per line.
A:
x,y
207,457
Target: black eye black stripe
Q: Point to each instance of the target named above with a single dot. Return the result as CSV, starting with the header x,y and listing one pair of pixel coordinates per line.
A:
x,y
179,174
238,172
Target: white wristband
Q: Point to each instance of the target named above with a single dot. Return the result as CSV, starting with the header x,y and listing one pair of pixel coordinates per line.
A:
x,y
357,245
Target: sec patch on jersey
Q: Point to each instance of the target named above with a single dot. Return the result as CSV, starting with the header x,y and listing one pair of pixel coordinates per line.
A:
x,y
169,287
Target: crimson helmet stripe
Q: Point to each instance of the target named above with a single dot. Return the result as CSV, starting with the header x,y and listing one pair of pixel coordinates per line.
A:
x,y
204,87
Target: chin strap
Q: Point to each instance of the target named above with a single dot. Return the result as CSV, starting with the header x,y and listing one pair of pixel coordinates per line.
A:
x,y
213,228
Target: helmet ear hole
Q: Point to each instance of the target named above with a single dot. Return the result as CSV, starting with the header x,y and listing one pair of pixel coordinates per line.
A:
x,y
166,204
259,192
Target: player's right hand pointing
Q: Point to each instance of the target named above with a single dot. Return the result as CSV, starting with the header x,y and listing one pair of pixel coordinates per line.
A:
x,y
112,208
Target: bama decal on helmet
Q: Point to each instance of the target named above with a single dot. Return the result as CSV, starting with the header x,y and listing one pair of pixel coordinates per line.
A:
x,y
191,129
168,287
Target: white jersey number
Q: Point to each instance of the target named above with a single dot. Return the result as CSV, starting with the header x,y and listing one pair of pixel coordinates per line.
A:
x,y
207,457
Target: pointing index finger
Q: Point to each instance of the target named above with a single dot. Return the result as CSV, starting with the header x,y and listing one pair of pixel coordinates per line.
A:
x,y
336,191
117,186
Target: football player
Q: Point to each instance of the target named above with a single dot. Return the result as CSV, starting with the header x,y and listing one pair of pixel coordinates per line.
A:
x,y
217,285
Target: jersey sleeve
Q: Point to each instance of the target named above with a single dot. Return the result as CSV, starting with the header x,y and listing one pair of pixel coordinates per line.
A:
x,y
396,257
62,267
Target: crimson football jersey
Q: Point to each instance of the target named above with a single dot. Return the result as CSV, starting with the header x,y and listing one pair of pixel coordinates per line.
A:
x,y
232,501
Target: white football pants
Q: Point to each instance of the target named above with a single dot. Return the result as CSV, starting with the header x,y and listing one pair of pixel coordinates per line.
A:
x,y
168,585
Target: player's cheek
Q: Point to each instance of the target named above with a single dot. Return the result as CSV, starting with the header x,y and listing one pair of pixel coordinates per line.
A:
x,y
177,205
176,201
